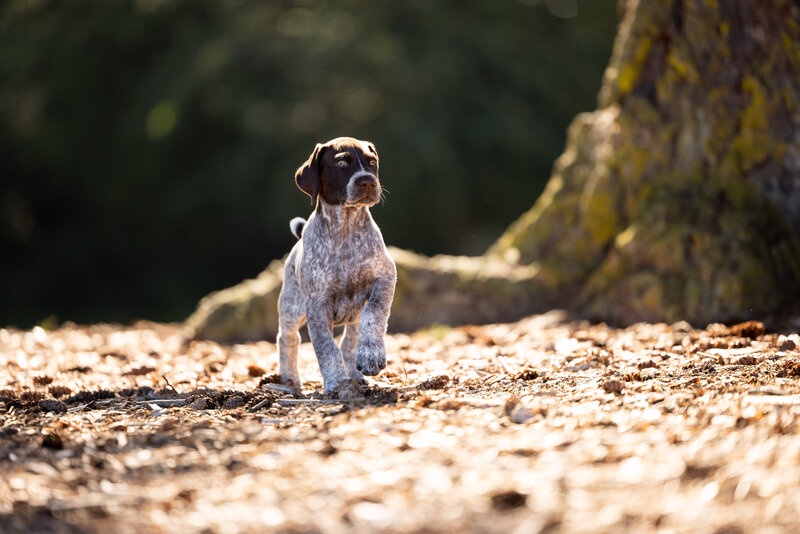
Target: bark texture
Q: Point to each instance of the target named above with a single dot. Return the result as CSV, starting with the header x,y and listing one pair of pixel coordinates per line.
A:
x,y
677,199
680,197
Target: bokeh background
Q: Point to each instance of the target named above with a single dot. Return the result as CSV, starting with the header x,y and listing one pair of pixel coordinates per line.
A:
x,y
148,148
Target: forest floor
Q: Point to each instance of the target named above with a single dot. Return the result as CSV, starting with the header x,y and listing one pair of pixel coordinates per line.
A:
x,y
544,425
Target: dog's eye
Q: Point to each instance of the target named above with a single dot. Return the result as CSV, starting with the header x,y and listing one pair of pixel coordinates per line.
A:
x,y
373,163
341,163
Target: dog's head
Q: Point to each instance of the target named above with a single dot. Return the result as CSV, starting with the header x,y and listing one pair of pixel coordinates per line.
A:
x,y
342,171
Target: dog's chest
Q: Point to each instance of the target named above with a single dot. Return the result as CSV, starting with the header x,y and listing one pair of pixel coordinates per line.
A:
x,y
347,291
343,274
347,306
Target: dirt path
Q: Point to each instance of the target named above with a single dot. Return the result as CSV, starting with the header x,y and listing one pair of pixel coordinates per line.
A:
x,y
544,425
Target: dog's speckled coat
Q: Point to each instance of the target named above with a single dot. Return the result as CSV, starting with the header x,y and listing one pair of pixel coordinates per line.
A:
x,y
339,272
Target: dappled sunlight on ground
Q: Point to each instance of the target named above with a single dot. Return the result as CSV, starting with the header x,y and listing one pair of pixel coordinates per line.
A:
x,y
546,424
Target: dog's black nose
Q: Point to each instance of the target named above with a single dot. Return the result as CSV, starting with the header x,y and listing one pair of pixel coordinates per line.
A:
x,y
366,183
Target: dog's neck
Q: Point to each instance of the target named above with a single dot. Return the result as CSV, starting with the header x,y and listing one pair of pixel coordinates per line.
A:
x,y
340,221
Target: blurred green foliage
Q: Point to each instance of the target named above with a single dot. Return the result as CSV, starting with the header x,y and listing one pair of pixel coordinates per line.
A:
x,y
147,148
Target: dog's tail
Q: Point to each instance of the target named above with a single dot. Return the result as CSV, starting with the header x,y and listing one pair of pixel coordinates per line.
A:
x,y
296,225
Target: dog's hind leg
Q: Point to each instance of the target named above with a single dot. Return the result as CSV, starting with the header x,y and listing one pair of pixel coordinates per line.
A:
x,y
288,341
291,317
349,345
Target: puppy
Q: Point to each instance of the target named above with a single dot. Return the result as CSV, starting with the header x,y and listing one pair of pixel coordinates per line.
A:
x,y
339,272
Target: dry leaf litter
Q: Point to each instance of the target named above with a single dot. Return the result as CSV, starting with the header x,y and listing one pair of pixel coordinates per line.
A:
x,y
544,425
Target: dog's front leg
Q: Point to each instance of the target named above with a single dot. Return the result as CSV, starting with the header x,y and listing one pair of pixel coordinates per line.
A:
x,y
371,352
320,330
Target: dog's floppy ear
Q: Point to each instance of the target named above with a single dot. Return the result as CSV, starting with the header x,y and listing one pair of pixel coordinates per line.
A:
x,y
308,177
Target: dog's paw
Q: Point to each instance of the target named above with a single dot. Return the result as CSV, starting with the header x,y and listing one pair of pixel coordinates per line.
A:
x,y
370,357
346,390
292,380
356,376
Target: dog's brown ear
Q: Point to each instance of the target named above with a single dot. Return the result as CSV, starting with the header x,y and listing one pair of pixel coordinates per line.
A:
x,y
308,177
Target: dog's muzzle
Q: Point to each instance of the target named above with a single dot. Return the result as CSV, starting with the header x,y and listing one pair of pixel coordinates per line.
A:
x,y
364,188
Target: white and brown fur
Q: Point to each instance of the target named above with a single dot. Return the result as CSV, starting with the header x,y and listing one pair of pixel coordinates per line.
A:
x,y
339,272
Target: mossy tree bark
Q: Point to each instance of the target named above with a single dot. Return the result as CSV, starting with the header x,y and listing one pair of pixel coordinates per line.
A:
x,y
679,198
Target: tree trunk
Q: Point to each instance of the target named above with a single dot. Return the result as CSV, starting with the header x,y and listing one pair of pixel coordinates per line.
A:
x,y
679,198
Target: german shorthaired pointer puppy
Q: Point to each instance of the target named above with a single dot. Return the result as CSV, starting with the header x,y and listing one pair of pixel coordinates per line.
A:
x,y
339,272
